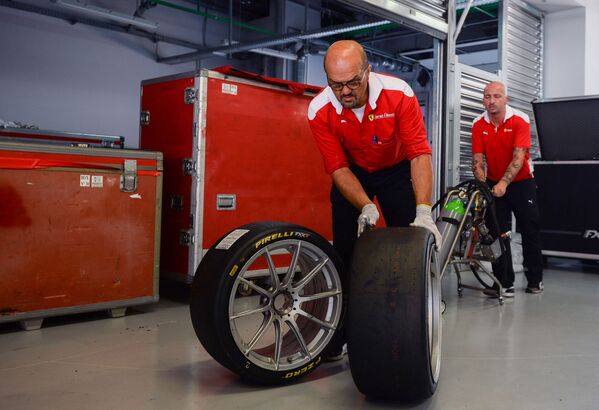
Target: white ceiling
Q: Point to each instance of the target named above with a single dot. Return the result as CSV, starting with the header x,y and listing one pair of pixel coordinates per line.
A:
x,y
551,6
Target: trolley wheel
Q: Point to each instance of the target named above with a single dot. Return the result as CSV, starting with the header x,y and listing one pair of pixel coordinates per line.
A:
x,y
275,331
394,315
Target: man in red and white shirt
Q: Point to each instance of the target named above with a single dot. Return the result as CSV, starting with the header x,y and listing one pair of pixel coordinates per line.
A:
x,y
501,135
370,132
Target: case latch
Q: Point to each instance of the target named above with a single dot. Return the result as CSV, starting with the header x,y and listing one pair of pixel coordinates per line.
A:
x,y
129,176
144,118
190,95
186,237
189,166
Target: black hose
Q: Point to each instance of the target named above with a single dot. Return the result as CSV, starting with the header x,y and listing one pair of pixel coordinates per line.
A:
x,y
488,195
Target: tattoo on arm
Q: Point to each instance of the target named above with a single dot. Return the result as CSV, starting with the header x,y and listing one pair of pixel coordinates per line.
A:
x,y
478,167
515,166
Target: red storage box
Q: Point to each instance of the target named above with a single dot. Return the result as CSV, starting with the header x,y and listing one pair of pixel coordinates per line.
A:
x,y
236,150
79,230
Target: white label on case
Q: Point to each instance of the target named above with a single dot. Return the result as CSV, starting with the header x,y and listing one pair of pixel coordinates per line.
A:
x,y
229,89
230,239
84,180
97,181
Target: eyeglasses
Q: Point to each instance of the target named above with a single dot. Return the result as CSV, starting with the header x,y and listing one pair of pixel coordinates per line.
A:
x,y
351,84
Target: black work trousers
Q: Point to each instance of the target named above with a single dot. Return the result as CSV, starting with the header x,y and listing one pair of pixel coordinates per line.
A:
x,y
521,199
393,189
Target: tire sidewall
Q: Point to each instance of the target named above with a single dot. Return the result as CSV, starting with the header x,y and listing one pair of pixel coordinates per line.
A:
x,y
257,238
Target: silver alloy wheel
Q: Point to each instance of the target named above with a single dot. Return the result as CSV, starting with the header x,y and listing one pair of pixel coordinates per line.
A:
x,y
294,307
434,317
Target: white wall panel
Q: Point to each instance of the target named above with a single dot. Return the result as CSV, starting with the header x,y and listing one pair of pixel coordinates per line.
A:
x,y
564,54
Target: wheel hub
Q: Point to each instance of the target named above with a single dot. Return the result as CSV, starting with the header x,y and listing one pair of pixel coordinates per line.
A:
x,y
282,303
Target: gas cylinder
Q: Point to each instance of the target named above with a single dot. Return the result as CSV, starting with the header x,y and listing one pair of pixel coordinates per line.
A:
x,y
448,222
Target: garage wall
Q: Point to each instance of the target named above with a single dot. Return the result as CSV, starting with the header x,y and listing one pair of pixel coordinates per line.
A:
x,y
564,65
571,59
591,77
78,78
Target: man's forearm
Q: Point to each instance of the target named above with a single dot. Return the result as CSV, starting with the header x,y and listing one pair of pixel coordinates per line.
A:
x,y
349,186
515,166
421,169
478,167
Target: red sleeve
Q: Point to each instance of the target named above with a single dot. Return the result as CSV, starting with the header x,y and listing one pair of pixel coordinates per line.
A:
x,y
478,147
329,145
521,134
412,132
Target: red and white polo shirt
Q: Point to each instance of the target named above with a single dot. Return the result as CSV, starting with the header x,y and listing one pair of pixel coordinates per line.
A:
x,y
392,128
497,144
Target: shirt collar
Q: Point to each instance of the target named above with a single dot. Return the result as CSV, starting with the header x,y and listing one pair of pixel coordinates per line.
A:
x,y
375,86
509,112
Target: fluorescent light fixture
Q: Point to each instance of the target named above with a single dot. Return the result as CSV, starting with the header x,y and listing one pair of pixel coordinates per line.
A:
x,y
108,14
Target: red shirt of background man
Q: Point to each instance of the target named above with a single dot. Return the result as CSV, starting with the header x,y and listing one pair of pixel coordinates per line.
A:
x,y
497,144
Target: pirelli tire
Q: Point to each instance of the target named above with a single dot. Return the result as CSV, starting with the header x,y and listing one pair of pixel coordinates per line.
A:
x,y
394,315
266,300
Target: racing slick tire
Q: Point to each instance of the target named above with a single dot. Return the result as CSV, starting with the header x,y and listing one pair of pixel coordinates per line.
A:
x,y
266,300
394,315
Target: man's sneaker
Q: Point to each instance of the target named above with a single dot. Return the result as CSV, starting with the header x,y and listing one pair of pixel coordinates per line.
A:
x,y
508,292
535,289
336,354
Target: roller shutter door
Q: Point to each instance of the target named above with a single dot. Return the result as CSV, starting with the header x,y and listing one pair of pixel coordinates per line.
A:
x,y
521,56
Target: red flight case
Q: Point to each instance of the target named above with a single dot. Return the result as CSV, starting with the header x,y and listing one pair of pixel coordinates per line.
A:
x,y
236,150
79,230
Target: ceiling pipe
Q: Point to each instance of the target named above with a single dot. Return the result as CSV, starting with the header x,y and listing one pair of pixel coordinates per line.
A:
x,y
285,39
72,19
107,14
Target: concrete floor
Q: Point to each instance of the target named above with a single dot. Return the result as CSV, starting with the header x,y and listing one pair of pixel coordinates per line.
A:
x,y
535,352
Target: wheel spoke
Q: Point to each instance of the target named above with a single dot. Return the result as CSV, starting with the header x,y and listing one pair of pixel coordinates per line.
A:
x,y
278,343
316,320
304,281
261,331
255,287
317,296
292,265
249,312
272,270
298,335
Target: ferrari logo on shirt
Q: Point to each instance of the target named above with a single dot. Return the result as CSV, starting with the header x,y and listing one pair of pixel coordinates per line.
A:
x,y
371,117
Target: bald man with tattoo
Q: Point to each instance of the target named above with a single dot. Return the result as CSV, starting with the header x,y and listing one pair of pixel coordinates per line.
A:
x,y
501,138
